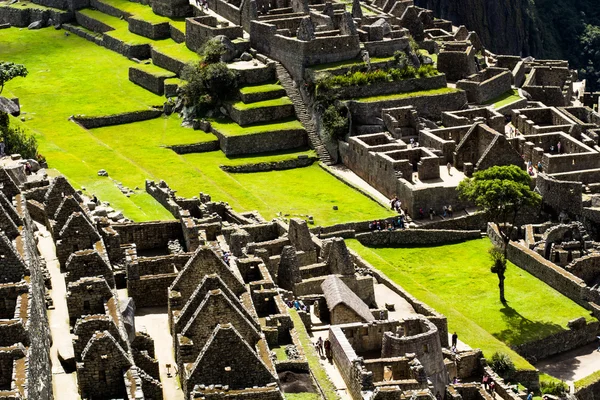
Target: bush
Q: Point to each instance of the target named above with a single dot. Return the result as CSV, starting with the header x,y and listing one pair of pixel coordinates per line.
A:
x,y
208,85
212,51
16,141
556,388
335,124
502,364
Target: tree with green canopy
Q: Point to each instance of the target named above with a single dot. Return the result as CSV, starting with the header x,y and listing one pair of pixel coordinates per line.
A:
x,y
502,192
10,70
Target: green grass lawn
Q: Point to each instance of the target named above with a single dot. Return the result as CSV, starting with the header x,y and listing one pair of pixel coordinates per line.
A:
x,y
455,280
230,128
155,71
73,76
282,101
264,88
407,95
506,98
301,396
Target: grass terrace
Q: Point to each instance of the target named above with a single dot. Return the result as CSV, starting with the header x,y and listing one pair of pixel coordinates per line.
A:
x,y
587,381
407,95
456,280
504,99
282,101
144,12
155,71
349,63
73,76
230,128
264,88
28,4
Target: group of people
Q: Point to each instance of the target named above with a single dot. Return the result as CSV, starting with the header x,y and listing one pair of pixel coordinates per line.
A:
x,y
396,223
323,348
298,305
202,3
447,212
489,384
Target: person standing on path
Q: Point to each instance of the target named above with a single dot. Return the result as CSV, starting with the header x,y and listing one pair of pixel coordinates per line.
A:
x,y
454,339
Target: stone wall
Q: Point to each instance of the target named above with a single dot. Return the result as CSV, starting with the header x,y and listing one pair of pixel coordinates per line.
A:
x,y
438,319
262,142
428,106
155,83
150,290
201,147
384,88
299,162
355,376
161,30
560,195
167,62
417,237
22,17
496,81
89,122
546,271
579,334
149,235
590,391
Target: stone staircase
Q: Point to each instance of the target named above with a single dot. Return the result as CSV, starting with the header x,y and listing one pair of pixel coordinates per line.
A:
x,y
302,114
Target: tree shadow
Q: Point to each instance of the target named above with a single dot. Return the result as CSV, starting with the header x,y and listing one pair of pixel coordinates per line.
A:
x,y
523,330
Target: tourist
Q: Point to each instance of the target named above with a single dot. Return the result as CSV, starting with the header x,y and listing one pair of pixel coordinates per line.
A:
x,y
2,146
226,257
530,395
449,166
551,148
431,213
327,346
454,339
393,202
486,381
450,212
319,346
296,304
493,389
401,221
412,142
445,210
94,199
530,171
539,166
558,147
455,380
27,168
382,315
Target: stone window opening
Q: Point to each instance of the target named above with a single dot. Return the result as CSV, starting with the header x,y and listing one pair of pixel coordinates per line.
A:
x,y
102,376
426,348
86,305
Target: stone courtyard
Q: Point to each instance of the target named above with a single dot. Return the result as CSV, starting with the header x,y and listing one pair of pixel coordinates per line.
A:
x,y
215,302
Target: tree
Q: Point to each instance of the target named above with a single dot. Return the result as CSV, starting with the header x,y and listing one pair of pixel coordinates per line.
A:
x,y
502,192
8,71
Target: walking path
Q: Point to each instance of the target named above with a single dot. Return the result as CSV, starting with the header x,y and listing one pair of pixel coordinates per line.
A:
x,y
572,365
155,322
348,176
64,385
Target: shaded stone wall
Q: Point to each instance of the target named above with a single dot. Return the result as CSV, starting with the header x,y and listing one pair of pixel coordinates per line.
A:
x,y
150,290
415,237
149,235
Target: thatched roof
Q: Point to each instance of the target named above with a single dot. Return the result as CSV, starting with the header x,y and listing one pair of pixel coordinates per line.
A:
x,y
337,292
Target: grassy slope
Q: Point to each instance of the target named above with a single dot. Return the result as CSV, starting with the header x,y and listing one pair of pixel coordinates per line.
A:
x,y
73,76
504,99
268,87
230,128
408,95
455,280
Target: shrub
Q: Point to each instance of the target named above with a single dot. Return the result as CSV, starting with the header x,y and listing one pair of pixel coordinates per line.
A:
x,y
502,364
208,85
212,51
16,141
335,124
556,388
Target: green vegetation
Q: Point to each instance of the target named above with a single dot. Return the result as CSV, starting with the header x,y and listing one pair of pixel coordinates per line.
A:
x,y
92,80
209,82
313,358
502,365
9,71
587,381
154,70
17,140
502,192
335,122
350,63
280,352
144,12
553,386
454,280
269,87
282,101
407,95
505,99
230,128
302,396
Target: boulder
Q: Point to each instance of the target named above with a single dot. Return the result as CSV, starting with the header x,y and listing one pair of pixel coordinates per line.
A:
x,y
9,107
246,56
102,172
229,48
36,25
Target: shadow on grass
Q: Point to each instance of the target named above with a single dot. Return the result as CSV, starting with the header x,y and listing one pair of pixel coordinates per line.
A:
x,y
523,330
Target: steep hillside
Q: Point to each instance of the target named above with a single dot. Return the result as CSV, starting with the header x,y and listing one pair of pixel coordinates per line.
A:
x,y
566,29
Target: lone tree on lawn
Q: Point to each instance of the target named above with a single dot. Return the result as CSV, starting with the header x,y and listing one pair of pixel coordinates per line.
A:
x,y
8,71
502,192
